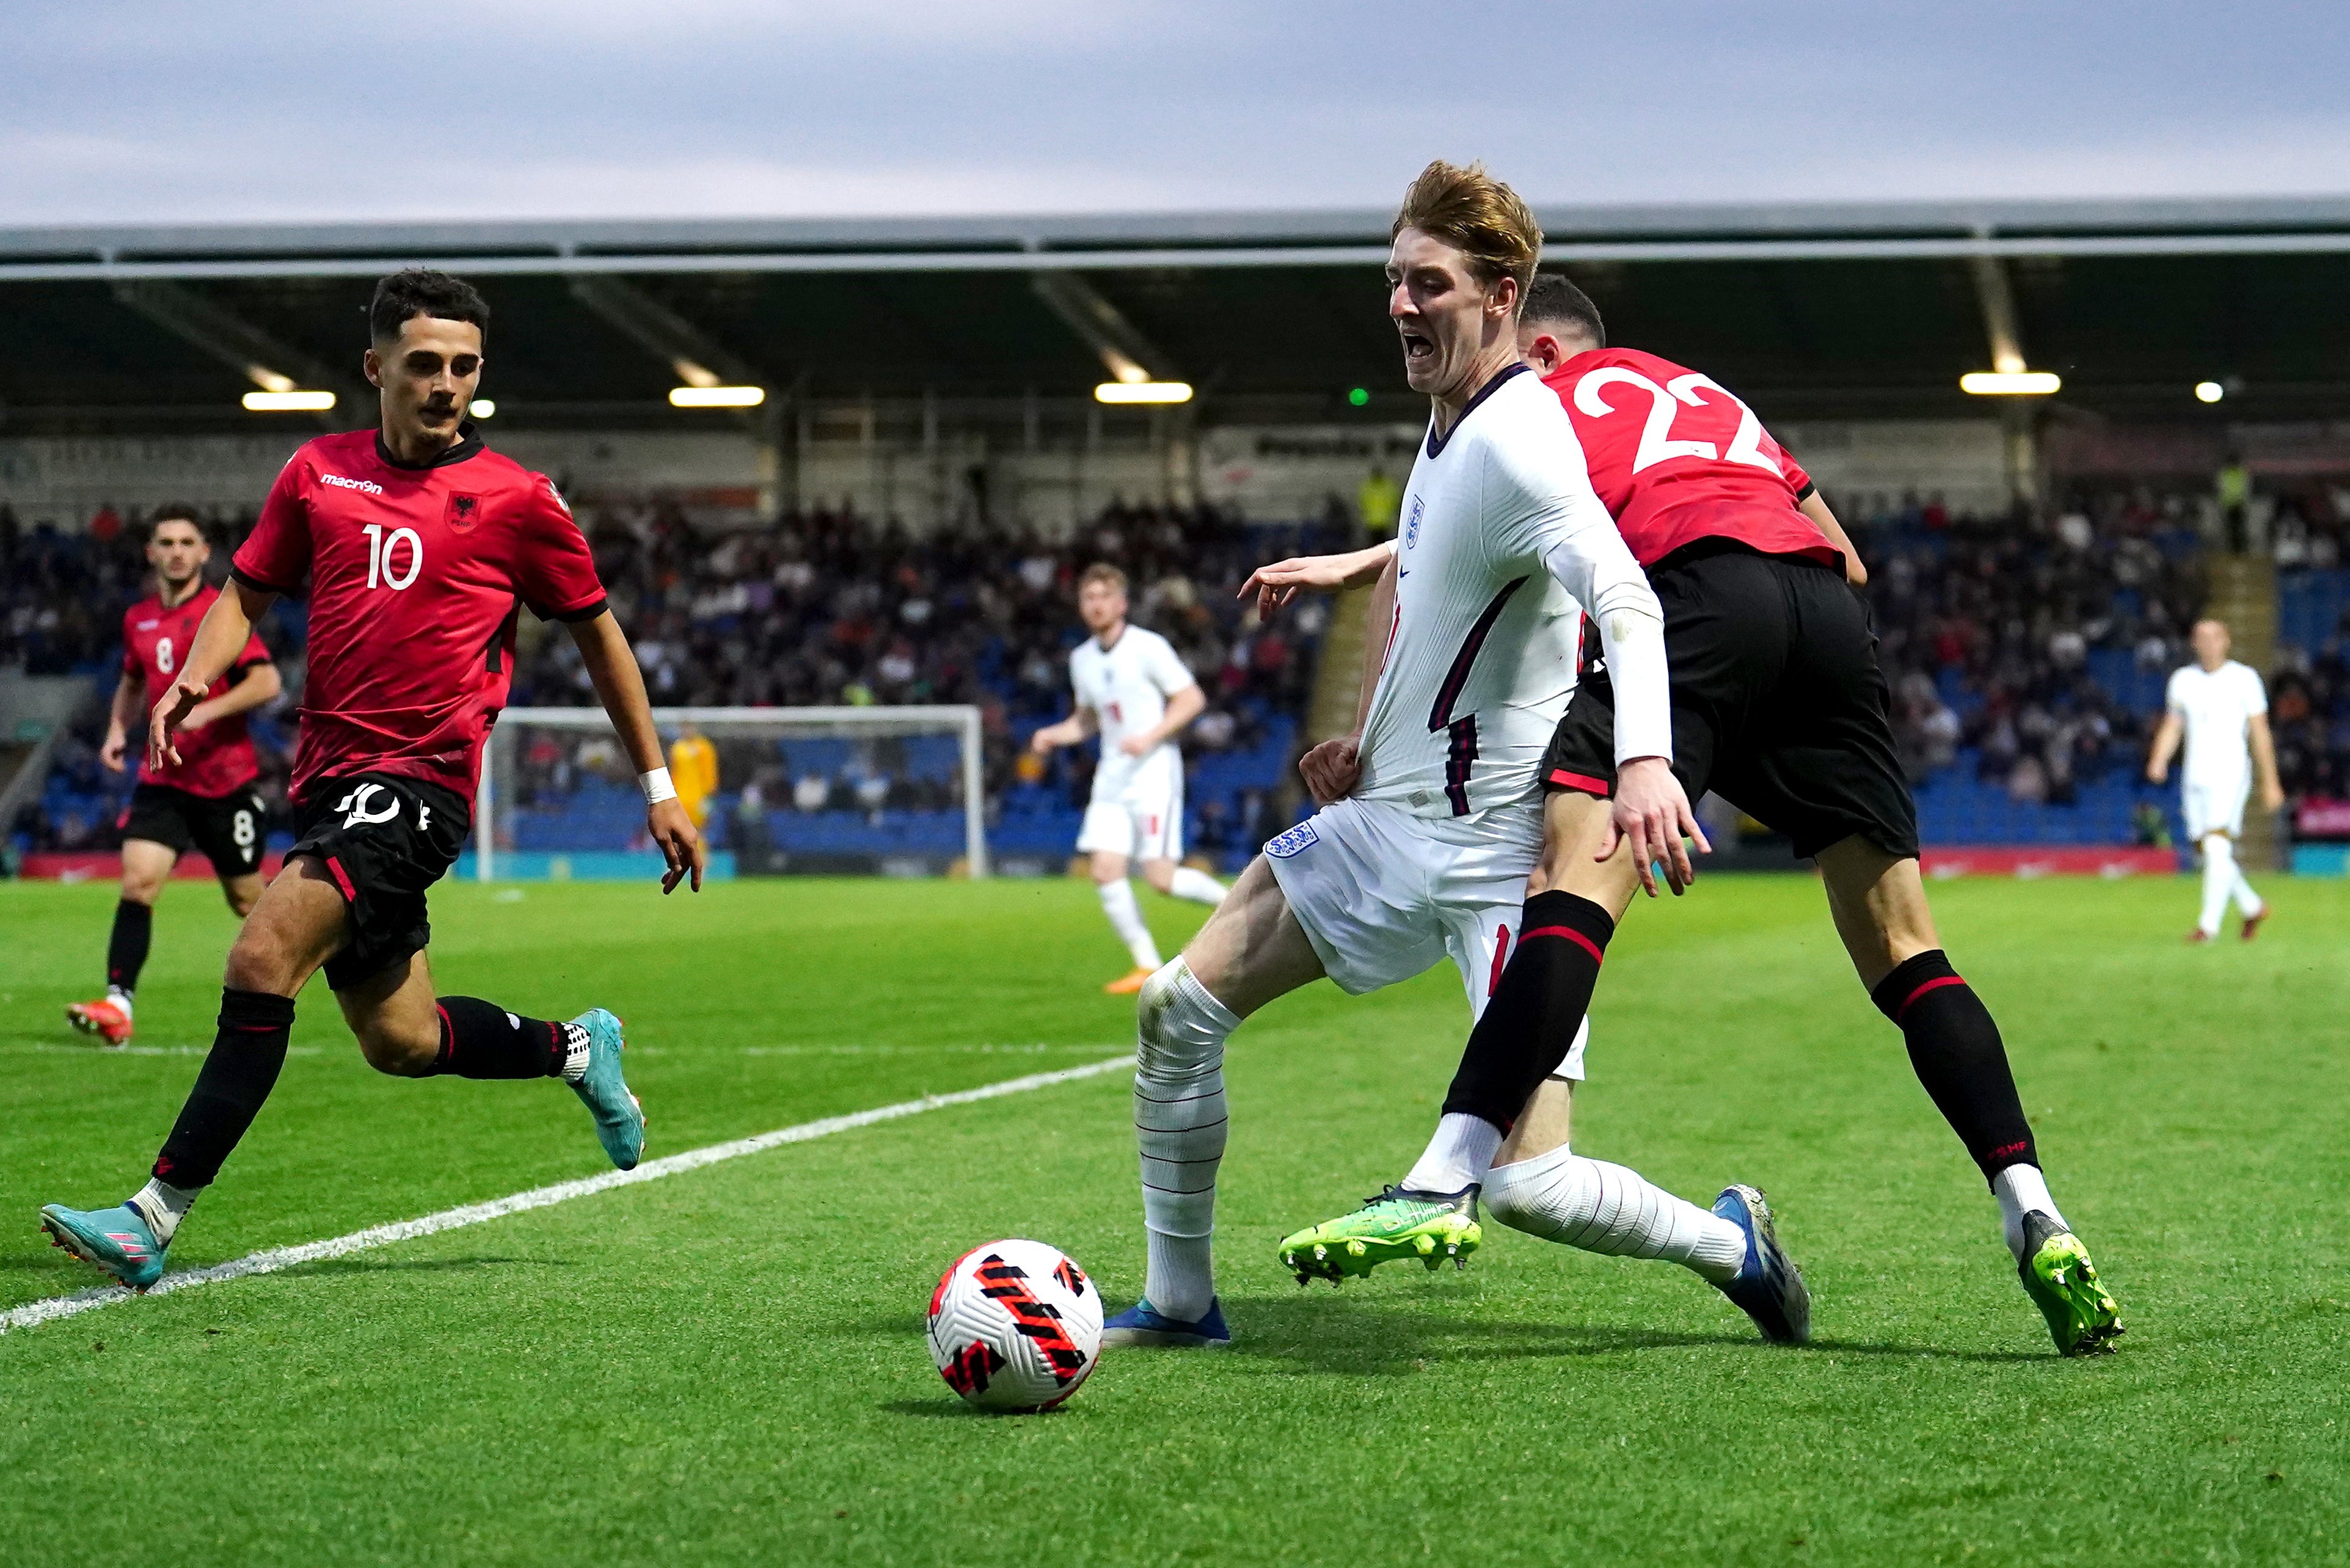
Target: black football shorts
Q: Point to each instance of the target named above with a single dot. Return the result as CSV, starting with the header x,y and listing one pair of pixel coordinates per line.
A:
x,y
1779,705
383,840
230,830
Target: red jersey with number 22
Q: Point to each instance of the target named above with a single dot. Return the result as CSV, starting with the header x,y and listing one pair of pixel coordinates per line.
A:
x,y
218,758
416,576
1676,459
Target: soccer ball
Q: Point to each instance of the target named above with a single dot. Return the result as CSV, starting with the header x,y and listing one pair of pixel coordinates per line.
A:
x,y
1016,1325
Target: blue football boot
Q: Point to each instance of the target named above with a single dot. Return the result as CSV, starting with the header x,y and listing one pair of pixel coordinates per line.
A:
x,y
620,1120
1143,1323
115,1240
1768,1287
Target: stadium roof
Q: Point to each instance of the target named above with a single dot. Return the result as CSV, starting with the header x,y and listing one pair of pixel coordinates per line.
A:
x,y
1810,310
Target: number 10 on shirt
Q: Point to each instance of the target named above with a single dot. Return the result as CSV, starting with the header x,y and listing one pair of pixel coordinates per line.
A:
x,y
379,557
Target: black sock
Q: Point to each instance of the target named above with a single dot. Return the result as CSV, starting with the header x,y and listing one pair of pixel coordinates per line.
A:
x,y
237,1076
1530,1020
126,950
1956,1051
481,1040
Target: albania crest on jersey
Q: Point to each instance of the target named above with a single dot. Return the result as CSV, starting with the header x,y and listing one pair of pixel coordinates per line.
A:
x,y
1411,528
462,513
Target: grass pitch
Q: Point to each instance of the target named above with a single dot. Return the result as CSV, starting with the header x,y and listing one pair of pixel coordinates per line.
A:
x,y
728,1366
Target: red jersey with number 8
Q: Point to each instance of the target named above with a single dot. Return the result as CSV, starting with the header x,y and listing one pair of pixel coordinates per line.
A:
x,y
218,759
416,577
1675,458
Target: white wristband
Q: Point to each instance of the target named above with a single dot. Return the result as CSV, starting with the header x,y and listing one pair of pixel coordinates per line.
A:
x,y
656,786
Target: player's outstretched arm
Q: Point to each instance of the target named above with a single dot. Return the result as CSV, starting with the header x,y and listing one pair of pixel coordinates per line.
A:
x,y
1276,585
620,687
261,683
1332,769
226,627
1182,706
1073,731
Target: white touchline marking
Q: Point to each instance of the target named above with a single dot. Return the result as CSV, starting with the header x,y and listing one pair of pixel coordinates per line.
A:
x,y
32,1314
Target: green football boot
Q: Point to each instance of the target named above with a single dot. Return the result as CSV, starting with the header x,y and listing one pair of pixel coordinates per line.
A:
x,y
2062,1284
620,1120
1399,1223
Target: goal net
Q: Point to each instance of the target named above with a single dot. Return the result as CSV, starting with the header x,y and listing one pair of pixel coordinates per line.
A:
x,y
800,791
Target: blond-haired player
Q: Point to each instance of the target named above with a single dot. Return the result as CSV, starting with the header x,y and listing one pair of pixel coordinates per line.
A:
x,y
1133,690
1431,816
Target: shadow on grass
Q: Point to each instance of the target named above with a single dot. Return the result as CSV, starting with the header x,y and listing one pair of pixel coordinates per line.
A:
x,y
955,1409
1322,1335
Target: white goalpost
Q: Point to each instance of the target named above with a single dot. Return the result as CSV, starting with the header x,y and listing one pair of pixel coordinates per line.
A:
x,y
761,739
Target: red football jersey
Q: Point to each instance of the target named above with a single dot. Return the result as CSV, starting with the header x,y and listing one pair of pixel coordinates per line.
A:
x,y
416,577
218,758
1677,457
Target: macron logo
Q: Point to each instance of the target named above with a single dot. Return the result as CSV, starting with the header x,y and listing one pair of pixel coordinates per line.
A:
x,y
368,485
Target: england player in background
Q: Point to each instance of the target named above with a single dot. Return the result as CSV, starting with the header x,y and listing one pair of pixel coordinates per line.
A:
x,y
206,801
421,547
1134,693
2222,711
1432,816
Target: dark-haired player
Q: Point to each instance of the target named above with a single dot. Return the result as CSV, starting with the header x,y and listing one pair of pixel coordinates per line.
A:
x,y
421,547
1778,705
205,800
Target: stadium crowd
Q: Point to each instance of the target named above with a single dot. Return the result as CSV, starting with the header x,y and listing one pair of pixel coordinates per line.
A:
x,y
2025,651
2032,647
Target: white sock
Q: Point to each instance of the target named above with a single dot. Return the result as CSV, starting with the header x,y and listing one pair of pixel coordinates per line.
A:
x,y
1196,886
120,998
162,1206
2021,1189
1180,1125
577,1050
1604,1208
1126,919
2218,876
1460,1153
2249,904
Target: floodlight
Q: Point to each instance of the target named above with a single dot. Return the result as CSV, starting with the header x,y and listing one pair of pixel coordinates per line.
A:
x,y
293,402
2210,391
481,408
716,396
2010,383
1143,392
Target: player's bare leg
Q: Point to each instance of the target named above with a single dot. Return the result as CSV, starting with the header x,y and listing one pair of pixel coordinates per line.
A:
x,y
1124,917
146,867
1878,902
1251,950
300,922
1180,881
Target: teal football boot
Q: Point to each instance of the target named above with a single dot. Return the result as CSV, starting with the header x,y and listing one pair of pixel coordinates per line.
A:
x,y
117,1241
619,1119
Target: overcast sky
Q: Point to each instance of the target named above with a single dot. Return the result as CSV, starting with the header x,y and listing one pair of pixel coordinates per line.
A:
x,y
147,111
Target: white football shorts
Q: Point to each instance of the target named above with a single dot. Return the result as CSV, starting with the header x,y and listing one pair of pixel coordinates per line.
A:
x,y
1144,823
2215,808
1384,894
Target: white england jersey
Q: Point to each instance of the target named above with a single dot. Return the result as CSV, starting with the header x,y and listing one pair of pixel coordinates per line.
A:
x,y
2217,706
1126,686
1501,544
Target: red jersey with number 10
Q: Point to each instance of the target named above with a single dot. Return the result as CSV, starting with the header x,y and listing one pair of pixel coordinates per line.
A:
x,y
1676,459
416,577
218,758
